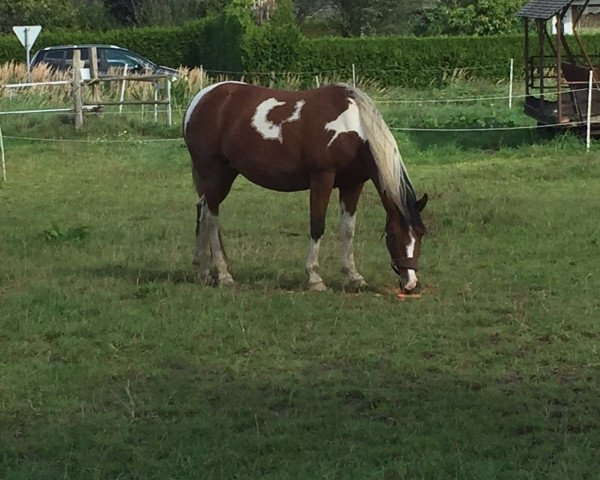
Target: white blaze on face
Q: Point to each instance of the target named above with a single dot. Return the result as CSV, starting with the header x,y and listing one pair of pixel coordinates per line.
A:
x,y
410,251
267,129
348,121
196,100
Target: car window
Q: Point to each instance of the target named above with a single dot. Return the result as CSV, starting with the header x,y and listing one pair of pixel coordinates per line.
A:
x,y
120,58
54,57
85,53
85,56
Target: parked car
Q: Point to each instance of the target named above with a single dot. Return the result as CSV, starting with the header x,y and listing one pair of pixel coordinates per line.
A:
x,y
110,58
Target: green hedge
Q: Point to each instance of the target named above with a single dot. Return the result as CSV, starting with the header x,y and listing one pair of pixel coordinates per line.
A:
x,y
402,61
412,61
222,43
171,46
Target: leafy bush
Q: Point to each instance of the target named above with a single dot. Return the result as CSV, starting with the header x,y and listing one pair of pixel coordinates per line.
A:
x,y
474,17
277,46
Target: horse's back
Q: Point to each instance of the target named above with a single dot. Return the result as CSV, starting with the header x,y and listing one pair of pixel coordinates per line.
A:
x,y
275,138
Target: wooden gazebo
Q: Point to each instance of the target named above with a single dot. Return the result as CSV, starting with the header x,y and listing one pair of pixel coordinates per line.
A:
x,y
557,78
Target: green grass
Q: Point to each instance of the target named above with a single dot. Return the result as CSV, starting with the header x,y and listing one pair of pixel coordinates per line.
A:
x,y
113,364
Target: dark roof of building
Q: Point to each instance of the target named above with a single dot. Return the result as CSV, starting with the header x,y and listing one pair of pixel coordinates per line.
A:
x,y
543,9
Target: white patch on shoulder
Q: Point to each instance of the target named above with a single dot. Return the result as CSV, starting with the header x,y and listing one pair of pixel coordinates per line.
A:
x,y
199,96
267,129
348,121
296,115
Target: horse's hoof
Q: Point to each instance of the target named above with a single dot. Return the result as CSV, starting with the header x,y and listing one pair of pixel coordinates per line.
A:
x,y
317,287
355,284
225,281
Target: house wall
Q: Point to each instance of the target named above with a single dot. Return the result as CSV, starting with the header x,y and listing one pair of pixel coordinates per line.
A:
x,y
589,20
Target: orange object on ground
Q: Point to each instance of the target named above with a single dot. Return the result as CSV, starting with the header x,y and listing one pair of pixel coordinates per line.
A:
x,y
400,295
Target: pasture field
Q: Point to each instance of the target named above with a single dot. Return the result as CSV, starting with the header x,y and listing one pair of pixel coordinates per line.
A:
x,y
115,365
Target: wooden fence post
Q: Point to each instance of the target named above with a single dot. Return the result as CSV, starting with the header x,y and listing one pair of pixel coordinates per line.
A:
x,y
123,86
94,73
76,89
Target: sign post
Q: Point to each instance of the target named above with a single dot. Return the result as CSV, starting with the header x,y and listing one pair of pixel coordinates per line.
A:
x,y
27,36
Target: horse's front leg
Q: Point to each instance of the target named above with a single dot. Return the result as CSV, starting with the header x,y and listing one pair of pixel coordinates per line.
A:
x,y
348,202
320,191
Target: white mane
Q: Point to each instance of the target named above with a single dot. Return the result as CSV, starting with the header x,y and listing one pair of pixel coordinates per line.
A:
x,y
393,177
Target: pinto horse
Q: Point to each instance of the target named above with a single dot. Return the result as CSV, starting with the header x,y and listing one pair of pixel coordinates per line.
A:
x,y
315,140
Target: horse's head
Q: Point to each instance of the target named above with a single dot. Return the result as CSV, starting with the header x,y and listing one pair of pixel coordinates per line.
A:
x,y
403,239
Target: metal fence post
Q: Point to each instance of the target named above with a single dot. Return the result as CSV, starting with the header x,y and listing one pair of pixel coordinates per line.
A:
x,y
589,112
510,87
169,106
3,157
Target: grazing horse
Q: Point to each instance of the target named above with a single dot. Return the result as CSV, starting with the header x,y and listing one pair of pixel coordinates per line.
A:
x,y
314,140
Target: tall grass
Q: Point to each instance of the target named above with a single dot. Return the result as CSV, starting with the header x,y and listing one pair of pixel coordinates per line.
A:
x,y
191,80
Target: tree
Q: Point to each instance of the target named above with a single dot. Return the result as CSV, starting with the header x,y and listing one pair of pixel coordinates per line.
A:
x,y
473,17
49,13
377,17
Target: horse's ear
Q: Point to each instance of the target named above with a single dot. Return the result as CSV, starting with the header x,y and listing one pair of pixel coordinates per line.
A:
x,y
422,202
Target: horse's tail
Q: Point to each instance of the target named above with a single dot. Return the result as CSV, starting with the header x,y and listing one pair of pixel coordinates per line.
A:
x,y
393,177
201,201
196,178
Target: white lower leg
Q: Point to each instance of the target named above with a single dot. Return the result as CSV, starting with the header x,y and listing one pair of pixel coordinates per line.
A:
x,y
218,257
347,227
202,253
315,282
410,251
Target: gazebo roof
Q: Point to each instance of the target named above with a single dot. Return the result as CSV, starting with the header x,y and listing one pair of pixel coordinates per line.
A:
x,y
543,9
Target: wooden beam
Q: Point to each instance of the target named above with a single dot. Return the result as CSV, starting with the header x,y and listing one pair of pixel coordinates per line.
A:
x,y
527,65
541,37
133,78
559,34
130,102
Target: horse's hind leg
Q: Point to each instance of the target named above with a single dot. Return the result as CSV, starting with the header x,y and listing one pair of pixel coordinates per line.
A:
x,y
202,250
320,191
216,188
348,202
223,277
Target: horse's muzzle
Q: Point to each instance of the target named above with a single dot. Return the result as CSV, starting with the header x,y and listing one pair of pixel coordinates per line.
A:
x,y
406,268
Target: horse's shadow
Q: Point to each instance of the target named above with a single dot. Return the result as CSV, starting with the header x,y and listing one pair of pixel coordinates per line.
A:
x,y
142,275
245,279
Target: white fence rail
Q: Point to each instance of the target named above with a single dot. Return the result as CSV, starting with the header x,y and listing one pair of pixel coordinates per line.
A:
x,y
34,84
